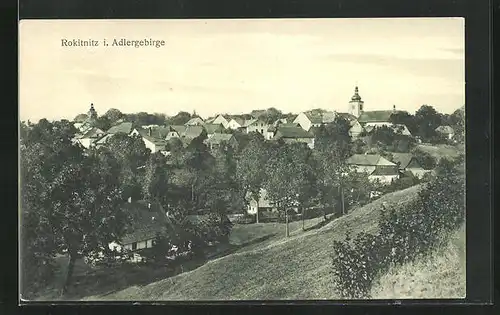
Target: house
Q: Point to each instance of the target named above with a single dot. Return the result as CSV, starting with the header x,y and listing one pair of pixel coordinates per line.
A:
x,y
407,163
294,134
446,131
154,138
263,204
367,163
258,113
235,123
257,125
192,132
212,129
218,139
397,128
195,121
123,127
314,119
175,131
271,131
384,174
147,221
220,120
90,136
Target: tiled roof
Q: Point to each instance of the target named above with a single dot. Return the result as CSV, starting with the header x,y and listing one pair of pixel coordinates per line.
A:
x,y
124,127
249,122
376,116
180,129
239,120
92,133
145,223
402,158
212,128
195,121
292,132
385,171
219,138
193,131
368,160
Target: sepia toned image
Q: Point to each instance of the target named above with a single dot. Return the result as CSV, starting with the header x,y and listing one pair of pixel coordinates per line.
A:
x,y
242,159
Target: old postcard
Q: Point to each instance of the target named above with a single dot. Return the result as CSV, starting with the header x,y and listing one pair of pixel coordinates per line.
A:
x,y
243,159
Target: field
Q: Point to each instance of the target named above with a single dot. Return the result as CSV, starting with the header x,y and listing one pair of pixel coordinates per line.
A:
x,y
440,276
441,150
297,267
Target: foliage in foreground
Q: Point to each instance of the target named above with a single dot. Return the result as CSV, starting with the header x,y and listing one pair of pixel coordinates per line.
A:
x,y
404,234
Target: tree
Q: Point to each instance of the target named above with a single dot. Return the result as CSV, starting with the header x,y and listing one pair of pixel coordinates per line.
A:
x,y
75,196
103,123
250,171
427,119
407,119
114,115
290,180
155,183
457,122
180,119
81,118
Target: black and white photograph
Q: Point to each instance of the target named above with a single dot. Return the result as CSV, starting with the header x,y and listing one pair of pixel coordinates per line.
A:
x,y
242,159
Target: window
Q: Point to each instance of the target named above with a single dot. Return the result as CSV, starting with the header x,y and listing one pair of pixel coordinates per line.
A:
x,y
134,246
262,131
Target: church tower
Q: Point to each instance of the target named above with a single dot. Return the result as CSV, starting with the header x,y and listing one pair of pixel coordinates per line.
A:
x,y
356,104
92,113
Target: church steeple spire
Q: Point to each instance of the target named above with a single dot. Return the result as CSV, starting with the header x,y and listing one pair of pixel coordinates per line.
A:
x,y
356,104
92,112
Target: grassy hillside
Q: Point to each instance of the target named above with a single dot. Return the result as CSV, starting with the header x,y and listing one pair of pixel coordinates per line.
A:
x,y
441,150
279,268
440,276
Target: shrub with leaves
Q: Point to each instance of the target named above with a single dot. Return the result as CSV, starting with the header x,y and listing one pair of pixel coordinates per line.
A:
x,y
403,235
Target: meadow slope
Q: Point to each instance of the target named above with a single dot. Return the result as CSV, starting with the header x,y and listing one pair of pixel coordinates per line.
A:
x,y
298,267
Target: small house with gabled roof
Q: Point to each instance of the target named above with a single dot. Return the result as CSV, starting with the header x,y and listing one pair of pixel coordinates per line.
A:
x,y
147,222
384,174
294,134
195,121
366,163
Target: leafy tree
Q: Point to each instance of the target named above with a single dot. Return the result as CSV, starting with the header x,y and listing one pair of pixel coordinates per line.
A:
x,y
424,159
74,197
250,171
103,123
114,115
155,184
291,178
335,136
180,119
407,119
427,119
457,122
81,118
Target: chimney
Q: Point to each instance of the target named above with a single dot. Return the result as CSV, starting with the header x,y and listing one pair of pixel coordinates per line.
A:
x,y
150,130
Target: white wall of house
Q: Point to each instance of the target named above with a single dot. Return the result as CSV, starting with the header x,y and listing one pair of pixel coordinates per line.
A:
x,y
86,142
134,132
355,130
383,179
258,126
303,121
418,172
233,124
150,145
172,134
269,135
221,120
364,168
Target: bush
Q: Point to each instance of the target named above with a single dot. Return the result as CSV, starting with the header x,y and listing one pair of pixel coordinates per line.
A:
x,y
404,234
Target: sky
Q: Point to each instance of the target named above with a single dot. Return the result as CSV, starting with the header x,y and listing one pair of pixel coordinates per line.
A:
x,y
235,66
